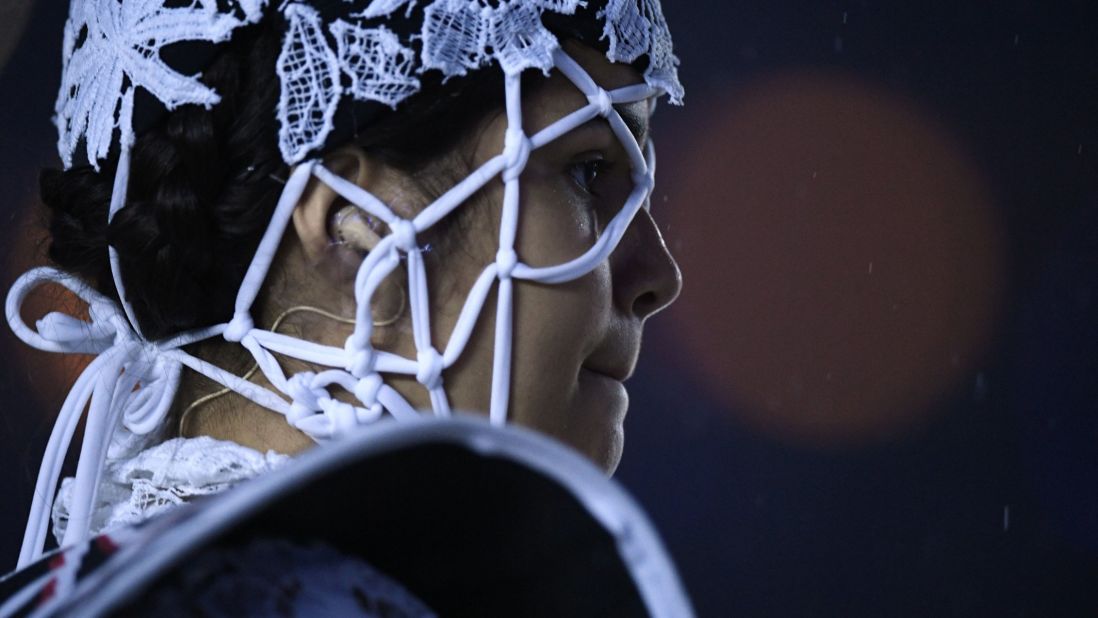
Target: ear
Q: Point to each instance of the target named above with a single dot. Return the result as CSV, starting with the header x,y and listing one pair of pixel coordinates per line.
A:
x,y
323,218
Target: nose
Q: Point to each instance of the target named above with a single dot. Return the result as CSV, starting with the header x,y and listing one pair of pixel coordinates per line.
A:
x,y
646,277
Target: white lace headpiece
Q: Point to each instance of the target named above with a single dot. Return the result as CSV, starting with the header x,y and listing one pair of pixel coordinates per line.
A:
x,y
112,47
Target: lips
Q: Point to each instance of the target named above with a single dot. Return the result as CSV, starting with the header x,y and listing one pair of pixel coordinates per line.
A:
x,y
617,377
619,371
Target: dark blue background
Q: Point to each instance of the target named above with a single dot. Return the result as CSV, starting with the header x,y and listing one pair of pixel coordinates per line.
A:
x,y
909,526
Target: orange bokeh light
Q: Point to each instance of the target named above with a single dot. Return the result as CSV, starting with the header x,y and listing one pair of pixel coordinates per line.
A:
x,y
842,256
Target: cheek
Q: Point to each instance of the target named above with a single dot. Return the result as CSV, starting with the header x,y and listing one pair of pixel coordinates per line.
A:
x,y
556,329
555,225
557,326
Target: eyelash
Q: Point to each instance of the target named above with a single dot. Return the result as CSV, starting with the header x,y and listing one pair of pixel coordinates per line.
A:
x,y
586,173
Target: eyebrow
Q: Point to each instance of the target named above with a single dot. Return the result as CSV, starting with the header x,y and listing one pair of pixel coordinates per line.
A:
x,y
633,121
636,123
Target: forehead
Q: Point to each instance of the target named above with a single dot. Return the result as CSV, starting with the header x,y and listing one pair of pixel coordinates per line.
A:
x,y
559,96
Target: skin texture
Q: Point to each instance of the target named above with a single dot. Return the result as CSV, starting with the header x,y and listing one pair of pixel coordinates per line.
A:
x,y
574,343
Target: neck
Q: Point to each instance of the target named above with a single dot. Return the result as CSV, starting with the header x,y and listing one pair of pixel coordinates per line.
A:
x,y
204,408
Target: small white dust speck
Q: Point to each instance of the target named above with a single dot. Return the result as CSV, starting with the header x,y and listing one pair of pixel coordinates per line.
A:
x,y
1016,40
844,17
1079,150
814,175
1006,517
871,268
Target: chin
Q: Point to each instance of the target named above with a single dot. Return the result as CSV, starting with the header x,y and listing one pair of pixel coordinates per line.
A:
x,y
611,454
603,438
590,420
601,443
611,430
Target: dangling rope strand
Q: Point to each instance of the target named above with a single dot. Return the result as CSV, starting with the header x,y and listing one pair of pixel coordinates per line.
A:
x,y
108,386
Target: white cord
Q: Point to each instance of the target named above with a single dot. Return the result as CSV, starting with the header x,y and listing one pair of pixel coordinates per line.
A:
x,y
132,382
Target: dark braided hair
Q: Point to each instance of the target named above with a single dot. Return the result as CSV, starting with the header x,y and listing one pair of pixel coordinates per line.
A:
x,y
204,184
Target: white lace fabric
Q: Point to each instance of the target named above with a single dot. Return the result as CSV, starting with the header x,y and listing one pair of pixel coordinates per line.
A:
x,y
162,477
113,46
457,36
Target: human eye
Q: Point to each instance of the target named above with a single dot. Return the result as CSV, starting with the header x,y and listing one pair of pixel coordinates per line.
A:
x,y
586,171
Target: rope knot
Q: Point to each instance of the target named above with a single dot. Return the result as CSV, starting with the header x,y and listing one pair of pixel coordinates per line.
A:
x,y
367,389
404,234
342,416
506,261
516,150
239,327
602,101
363,363
306,398
430,368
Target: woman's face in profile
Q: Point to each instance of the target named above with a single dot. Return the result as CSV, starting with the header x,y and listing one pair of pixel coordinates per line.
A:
x,y
574,343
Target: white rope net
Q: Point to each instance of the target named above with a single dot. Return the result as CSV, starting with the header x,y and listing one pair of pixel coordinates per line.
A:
x,y
129,387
